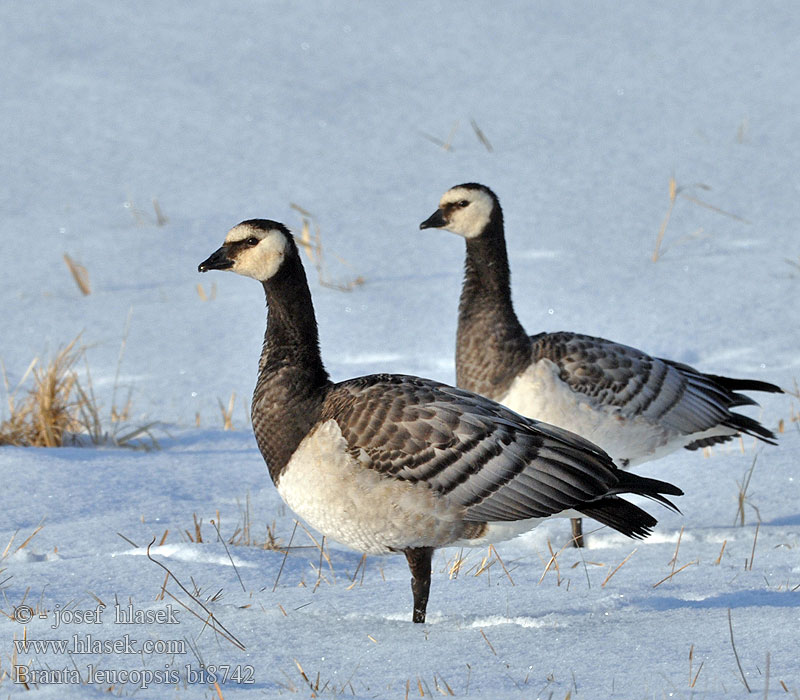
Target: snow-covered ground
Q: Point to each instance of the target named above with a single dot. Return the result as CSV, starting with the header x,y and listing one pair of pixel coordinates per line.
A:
x,y
223,112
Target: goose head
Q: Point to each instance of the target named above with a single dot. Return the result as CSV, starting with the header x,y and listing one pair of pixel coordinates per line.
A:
x,y
465,209
255,248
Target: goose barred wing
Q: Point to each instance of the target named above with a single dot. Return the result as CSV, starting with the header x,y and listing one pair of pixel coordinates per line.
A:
x,y
495,463
671,394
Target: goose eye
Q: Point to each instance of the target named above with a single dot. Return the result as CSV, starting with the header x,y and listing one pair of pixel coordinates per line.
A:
x,y
463,203
252,241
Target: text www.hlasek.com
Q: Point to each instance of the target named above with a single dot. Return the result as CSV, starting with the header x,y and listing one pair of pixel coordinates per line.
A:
x,y
88,644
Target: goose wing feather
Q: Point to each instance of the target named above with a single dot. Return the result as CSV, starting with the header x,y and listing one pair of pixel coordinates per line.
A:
x,y
616,376
484,457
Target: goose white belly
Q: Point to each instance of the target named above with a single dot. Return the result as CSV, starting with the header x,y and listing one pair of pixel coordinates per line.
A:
x,y
541,394
363,509
359,507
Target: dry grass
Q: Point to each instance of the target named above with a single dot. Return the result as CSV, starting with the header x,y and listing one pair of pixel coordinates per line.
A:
x,y
212,293
312,246
49,412
314,685
17,670
742,499
619,566
80,274
227,412
242,536
456,565
674,192
58,408
10,549
481,136
142,218
445,145
161,219
208,618
794,416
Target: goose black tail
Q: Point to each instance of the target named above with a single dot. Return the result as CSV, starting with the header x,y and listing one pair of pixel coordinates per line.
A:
x,y
625,517
733,384
750,426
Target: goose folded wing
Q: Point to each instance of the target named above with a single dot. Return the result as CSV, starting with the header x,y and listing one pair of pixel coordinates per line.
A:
x,y
621,378
488,459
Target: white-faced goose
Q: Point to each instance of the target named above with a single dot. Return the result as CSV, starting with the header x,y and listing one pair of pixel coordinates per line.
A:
x,y
397,464
634,406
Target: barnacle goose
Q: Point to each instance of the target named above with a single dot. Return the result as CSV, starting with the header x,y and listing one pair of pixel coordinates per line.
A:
x,y
634,406
391,463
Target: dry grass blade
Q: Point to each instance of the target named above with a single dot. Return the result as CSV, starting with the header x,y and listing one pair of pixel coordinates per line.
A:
x,y
753,552
227,551
27,541
448,144
139,217
228,634
444,145
721,551
673,192
362,566
701,203
161,219
201,292
486,639
667,578
227,413
129,541
674,559
741,130
286,554
312,245
553,561
454,565
31,536
693,676
736,654
497,556
322,553
80,274
742,497
619,566
481,136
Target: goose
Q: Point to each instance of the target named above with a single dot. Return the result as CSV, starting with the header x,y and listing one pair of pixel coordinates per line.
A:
x,y
635,407
390,463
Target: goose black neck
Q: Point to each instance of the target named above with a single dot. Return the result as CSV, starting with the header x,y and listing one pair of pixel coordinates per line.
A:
x,y
486,267
292,381
291,338
492,345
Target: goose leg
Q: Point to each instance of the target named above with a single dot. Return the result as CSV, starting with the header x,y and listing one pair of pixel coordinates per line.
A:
x,y
577,532
419,561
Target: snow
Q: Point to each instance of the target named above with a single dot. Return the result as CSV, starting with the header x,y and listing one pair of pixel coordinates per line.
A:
x,y
229,112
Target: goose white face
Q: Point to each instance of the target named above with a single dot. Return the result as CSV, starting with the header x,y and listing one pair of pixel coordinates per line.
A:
x,y
255,252
466,211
